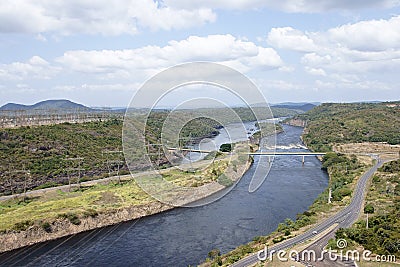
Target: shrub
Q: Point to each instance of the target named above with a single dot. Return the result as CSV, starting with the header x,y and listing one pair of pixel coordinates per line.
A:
x,y
72,217
226,147
46,227
22,226
214,253
224,180
90,213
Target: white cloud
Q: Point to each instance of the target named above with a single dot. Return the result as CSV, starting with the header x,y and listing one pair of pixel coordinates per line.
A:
x,y
360,56
96,17
373,35
131,16
315,71
373,85
289,38
282,85
358,48
304,6
36,67
129,87
314,59
226,49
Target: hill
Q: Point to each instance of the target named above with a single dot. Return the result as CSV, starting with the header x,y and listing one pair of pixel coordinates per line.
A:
x,y
296,106
46,105
351,123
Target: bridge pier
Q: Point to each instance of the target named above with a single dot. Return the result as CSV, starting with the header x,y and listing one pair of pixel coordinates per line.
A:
x,y
302,160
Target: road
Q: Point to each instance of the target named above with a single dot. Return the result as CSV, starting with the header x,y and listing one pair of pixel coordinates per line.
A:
x,y
345,218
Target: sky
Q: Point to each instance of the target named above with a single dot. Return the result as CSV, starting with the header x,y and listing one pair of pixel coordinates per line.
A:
x,y
99,53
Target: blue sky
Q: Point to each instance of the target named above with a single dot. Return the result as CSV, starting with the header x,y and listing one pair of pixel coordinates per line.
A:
x,y
99,54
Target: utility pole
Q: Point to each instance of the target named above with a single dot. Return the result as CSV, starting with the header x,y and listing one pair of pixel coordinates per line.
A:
x,y
190,154
330,195
330,187
114,161
158,153
27,174
79,169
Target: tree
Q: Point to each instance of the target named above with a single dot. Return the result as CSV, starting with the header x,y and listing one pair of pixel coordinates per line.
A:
x,y
368,209
226,148
214,253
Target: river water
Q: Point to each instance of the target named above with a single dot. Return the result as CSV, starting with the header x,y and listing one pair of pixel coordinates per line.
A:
x,y
184,236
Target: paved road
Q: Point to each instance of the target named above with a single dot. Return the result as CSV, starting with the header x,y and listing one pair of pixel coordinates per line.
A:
x,y
345,218
318,247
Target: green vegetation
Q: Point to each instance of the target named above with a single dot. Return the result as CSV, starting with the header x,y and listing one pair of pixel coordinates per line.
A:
x,y
391,167
369,209
43,149
351,123
224,180
46,226
342,171
213,155
72,217
90,201
383,206
246,114
196,177
226,148
266,128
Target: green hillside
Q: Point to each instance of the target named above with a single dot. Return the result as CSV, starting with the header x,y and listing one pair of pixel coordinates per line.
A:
x,y
347,123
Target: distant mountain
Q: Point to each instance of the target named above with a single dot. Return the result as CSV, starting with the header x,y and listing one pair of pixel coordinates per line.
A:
x,y
296,103
46,105
12,106
298,106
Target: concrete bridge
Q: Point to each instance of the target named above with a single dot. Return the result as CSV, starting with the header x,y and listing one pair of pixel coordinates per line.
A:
x,y
279,153
268,154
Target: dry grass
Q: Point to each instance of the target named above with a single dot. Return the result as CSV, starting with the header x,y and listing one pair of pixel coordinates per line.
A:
x,y
385,150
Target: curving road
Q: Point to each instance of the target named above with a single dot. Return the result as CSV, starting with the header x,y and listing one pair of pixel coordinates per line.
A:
x,y
345,218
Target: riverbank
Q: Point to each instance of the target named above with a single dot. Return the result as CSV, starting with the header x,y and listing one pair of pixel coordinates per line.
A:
x,y
57,214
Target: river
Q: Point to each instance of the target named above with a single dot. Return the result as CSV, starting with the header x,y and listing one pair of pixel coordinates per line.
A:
x,y
184,236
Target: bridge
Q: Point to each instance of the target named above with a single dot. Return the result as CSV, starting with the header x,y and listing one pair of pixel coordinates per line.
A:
x,y
269,154
278,153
